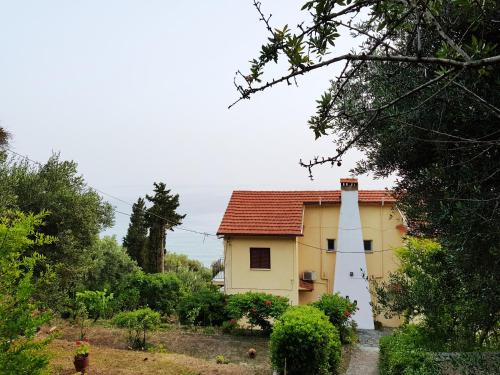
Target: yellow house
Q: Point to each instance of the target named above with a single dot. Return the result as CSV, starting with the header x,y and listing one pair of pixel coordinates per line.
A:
x,y
302,244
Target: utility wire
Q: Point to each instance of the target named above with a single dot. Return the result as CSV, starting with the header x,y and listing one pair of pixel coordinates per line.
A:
x,y
205,234
344,252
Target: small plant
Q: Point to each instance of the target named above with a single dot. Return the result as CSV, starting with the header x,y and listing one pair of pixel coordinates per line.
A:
x,y
258,308
138,323
82,348
220,359
81,358
304,341
160,348
229,326
81,319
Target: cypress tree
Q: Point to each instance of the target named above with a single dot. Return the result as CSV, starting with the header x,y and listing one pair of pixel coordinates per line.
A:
x,y
160,217
136,238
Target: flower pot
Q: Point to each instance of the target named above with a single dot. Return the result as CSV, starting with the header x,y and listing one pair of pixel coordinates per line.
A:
x,y
81,363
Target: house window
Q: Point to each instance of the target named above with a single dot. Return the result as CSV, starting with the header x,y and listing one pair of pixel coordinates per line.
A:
x,y
330,244
368,245
260,258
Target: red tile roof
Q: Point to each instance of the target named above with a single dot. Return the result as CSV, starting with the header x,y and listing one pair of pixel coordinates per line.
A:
x,y
280,212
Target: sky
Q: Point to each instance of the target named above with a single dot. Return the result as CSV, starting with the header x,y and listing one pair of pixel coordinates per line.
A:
x,y
137,92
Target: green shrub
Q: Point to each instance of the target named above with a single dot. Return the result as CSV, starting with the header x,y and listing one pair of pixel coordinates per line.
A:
x,y
126,299
339,311
138,323
159,291
404,353
206,307
96,302
258,308
303,341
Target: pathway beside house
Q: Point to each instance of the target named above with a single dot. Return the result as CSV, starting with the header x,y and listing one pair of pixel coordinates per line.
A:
x,y
364,358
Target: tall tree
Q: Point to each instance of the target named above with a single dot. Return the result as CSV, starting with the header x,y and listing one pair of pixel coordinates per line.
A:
x,y
420,96
137,233
76,216
161,216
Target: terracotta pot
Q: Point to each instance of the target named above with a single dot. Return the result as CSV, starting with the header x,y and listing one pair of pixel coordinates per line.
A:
x,y
81,363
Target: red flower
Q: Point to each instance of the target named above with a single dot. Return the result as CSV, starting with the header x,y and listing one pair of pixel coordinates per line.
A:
x,y
347,314
268,303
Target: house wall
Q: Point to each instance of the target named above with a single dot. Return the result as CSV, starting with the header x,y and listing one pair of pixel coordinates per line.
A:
x,y
281,279
378,223
290,256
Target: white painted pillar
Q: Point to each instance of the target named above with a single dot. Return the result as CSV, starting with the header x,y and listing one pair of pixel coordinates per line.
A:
x,y
350,264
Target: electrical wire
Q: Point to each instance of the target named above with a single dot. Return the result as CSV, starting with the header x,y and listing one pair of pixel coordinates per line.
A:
x,y
344,252
204,234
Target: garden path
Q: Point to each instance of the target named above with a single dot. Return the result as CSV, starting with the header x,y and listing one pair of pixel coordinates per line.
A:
x,y
364,357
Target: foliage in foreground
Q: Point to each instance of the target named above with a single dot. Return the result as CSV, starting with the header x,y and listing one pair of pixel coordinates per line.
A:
x,y
257,308
206,307
21,352
339,311
403,353
408,351
427,287
138,323
304,341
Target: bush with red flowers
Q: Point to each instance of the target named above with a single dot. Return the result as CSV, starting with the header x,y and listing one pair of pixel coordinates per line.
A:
x,y
339,311
258,308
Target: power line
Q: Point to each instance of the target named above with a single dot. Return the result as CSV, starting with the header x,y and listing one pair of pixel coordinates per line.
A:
x,y
180,228
344,252
204,234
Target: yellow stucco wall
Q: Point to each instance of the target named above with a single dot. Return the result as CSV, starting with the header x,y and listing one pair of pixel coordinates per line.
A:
x,y
291,256
281,279
321,223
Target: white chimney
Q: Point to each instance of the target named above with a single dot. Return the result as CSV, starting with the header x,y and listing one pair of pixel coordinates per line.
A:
x,y
350,264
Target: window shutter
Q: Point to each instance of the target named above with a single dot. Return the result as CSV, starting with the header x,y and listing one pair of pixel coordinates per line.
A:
x,y
260,257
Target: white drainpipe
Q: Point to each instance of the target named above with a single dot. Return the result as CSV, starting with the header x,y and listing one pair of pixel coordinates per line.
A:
x,y
350,265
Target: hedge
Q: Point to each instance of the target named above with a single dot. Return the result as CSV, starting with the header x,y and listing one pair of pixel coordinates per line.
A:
x,y
206,307
304,341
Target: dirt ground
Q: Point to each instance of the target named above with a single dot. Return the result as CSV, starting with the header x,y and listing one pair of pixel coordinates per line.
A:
x,y
181,352
178,351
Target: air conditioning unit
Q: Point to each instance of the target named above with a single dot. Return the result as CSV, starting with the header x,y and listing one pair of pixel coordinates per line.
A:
x,y
309,276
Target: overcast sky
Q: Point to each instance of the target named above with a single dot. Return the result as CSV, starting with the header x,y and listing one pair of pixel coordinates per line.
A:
x,y
137,92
